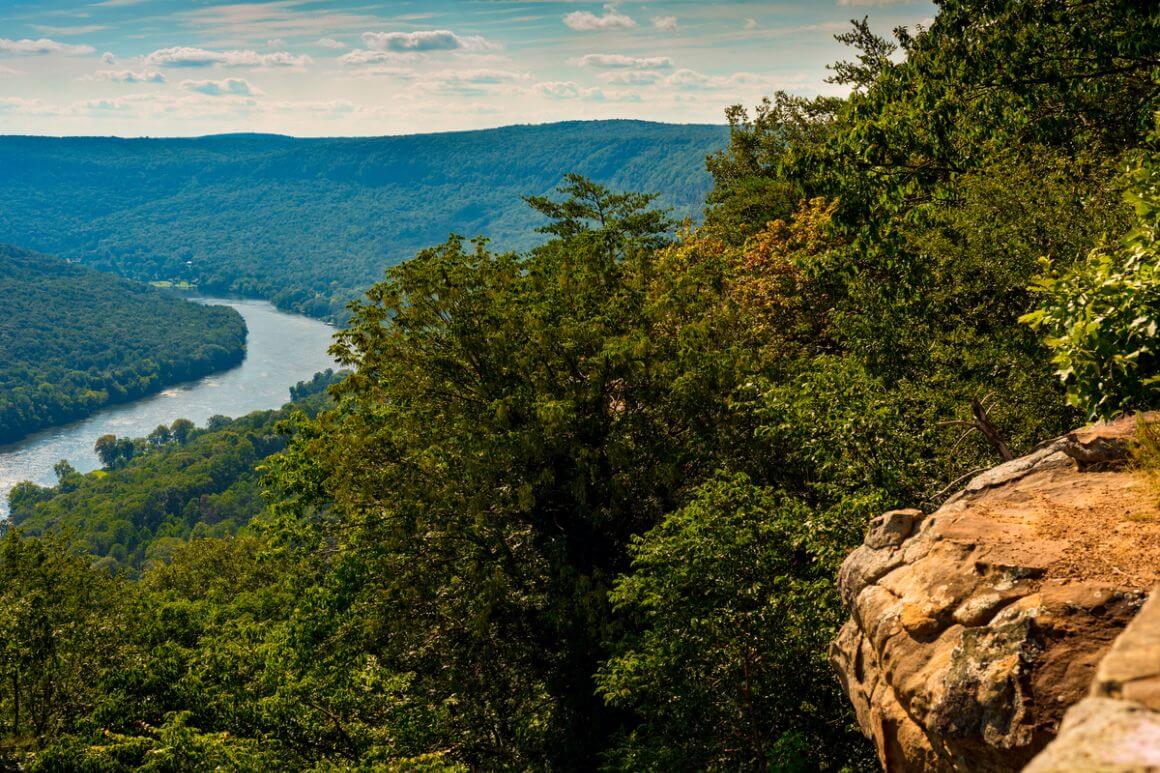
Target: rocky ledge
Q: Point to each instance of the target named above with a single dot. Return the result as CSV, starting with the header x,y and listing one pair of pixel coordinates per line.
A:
x,y
974,628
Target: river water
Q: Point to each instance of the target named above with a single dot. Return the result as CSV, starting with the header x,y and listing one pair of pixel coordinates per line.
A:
x,y
281,350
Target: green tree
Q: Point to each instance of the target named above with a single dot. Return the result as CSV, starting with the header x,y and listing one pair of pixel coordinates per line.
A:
x,y
181,430
59,625
516,426
733,606
107,450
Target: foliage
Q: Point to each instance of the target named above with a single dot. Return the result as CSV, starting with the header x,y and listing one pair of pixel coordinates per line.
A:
x,y
58,626
734,606
1102,314
74,340
1146,450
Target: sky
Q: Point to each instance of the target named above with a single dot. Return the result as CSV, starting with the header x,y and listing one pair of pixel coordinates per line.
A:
x,y
362,68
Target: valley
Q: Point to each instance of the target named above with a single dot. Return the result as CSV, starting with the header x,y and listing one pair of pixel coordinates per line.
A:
x,y
282,349
310,223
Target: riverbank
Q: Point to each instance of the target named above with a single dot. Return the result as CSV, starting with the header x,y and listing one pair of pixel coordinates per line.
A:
x,y
282,350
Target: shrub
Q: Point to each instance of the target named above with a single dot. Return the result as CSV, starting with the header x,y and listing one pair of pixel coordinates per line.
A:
x,y
1102,316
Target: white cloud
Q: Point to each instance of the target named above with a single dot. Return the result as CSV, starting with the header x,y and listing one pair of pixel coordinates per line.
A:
x,y
275,43
41,47
231,87
620,61
184,56
108,58
399,73
80,29
127,76
632,77
751,24
360,57
469,82
24,106
330,43
567,90
425,40
585,21
691,80
666,23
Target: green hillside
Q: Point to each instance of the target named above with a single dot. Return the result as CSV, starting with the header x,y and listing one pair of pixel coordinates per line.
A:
x,y
73,340
161,491
309,223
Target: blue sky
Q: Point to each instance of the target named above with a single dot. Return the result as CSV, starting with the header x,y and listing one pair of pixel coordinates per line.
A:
x,y
353,67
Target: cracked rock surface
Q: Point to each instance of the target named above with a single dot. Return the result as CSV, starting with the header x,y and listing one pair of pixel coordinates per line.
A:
x,y
975,627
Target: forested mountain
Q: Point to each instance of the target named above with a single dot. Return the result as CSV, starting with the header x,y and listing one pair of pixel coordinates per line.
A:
x,y
582,506
73,339
309,223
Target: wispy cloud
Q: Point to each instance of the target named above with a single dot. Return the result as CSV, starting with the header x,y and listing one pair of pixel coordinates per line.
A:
x,y
127,76
632,77
232,87
331,43
566,90
622,61
80,29
254,22
425,40
666,23
42,47
361,57
199,57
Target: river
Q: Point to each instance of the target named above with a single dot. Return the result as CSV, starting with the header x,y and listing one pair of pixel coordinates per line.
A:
x,y
281,350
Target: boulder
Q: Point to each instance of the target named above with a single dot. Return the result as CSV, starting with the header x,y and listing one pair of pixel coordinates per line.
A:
x,y
973,628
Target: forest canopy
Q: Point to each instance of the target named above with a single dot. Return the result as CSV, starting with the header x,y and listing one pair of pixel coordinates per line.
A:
x,y
73,340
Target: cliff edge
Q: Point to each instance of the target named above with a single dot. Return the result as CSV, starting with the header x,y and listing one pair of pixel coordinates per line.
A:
x,y
974,628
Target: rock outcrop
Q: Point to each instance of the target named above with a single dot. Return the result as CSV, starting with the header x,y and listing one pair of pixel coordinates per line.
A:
x,y
974,628
1117,727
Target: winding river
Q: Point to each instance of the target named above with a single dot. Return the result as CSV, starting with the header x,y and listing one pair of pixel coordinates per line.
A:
x,y
281,350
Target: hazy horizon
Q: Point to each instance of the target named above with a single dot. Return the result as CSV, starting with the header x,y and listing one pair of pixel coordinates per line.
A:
x,y
282,135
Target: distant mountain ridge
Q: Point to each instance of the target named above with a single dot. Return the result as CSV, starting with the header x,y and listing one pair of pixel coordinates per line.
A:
x,y
308,223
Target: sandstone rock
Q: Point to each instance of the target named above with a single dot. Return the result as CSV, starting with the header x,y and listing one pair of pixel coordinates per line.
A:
x,y
1117,728
974,628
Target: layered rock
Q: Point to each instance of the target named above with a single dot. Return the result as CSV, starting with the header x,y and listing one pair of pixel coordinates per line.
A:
x,y
975,627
